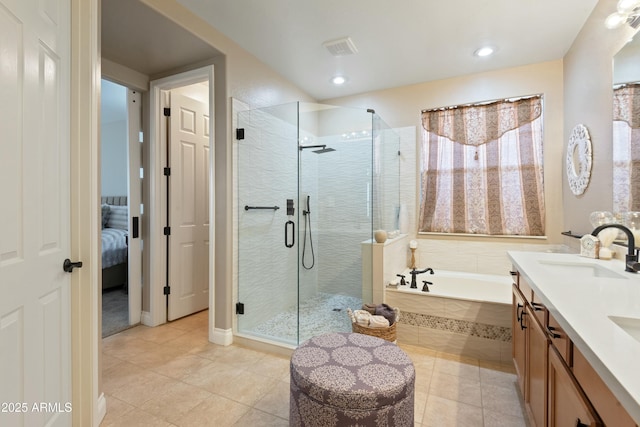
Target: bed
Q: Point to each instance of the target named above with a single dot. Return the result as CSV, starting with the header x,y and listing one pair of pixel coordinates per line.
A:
x,y
115,220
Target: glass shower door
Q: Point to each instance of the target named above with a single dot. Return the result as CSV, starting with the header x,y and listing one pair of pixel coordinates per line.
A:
x,y
267,176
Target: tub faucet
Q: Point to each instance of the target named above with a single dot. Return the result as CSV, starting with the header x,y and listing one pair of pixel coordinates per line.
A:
x,y
632,264
414,273
425,286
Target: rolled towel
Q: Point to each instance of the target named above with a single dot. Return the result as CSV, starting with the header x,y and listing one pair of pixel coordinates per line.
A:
x,y
386,311
362,317
378,322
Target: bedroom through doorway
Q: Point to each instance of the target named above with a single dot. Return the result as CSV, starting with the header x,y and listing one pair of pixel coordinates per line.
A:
x,y
121,186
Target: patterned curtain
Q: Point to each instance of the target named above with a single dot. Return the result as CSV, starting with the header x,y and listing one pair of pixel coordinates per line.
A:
x,y
481,169
626,148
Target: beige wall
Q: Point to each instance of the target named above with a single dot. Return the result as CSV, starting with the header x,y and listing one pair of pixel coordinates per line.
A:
x,y
402,106
239,75
588,78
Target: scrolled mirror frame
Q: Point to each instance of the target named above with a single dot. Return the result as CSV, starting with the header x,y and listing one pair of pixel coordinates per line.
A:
x,y
579,159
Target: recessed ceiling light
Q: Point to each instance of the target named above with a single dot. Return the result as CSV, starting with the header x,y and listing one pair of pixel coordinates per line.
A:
x,y
484,51
338,80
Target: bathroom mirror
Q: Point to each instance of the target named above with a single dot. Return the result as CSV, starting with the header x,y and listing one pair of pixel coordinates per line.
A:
x,y
626,128
579,159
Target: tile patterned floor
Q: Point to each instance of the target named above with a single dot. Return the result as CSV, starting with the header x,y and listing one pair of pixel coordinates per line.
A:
x,y
172,376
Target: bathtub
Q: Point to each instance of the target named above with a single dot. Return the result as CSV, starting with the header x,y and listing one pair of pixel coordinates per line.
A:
x,y
463,313
462,286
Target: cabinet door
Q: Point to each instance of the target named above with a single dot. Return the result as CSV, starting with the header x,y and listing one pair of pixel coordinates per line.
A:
x,y
568,406
519,343
536,370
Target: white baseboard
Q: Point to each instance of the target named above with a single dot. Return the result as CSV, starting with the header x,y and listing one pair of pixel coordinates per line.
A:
x,y
146,319
221,336
101,409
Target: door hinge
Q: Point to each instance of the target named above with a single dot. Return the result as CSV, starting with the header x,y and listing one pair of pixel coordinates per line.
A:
x,y
167,112
167,172
167,231
239,308
239,133
167,290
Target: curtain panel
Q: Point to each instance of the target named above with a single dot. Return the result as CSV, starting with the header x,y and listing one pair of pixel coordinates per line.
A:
x,y
626,148
482,169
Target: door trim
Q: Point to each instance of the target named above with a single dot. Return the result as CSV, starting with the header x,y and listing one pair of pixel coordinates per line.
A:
x,y
157,215
89,406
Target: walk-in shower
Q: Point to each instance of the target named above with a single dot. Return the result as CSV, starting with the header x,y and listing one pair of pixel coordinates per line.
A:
x,y
301,266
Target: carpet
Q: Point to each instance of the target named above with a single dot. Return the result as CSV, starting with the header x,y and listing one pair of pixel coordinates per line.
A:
x,y
115,311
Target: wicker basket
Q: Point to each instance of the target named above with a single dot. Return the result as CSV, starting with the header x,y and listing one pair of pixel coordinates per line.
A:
x,y
388,333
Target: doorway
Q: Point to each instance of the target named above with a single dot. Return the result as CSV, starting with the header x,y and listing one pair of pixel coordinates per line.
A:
x,y
121,179
181,174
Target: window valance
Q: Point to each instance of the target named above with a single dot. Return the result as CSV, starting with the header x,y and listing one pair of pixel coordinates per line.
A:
x,y
479,124
626,105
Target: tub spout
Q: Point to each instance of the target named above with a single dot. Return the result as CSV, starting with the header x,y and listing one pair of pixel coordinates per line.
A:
x,y
414,273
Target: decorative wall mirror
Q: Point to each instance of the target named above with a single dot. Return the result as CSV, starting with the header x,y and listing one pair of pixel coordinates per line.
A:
x,y
579,159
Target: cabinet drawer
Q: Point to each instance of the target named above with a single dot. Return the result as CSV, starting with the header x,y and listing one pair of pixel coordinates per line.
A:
x,y
525,288
603,400
559,339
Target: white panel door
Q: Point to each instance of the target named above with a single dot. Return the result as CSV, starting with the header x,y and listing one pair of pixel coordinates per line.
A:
x,y
134,275
35,329
189,207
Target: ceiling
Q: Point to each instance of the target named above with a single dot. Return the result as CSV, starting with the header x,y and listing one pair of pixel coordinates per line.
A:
x,y
399,43
139,38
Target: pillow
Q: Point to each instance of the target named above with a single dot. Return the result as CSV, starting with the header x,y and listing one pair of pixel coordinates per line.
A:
x,y
118,217
106,210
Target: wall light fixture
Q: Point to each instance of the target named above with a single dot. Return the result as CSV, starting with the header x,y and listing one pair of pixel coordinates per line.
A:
x,y
628,12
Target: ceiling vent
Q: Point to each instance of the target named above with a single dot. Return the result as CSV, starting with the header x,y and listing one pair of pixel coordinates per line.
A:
x,y
340,47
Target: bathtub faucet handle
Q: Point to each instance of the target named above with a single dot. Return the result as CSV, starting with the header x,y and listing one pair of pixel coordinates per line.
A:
x,y
402,281
425,285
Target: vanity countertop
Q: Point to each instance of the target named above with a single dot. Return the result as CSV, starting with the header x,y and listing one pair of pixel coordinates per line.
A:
x,y
582,293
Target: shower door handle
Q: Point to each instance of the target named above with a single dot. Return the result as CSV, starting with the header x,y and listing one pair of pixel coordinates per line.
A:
x,y
286,233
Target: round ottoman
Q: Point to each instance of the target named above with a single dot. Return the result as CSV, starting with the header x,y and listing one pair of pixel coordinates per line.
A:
x,y
344,379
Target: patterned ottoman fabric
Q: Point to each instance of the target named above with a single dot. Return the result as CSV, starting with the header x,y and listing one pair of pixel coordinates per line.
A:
x,y
349,379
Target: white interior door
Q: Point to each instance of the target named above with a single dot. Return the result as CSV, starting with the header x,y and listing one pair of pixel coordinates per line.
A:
x,y
189,206
35,327
134,276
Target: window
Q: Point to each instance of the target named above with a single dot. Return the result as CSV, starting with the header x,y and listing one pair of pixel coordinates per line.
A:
x,y
481,169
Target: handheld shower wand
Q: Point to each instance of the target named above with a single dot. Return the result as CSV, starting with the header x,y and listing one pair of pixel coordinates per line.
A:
x,y
307,227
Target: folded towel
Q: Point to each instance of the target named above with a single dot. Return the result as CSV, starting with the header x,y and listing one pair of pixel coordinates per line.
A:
x,y
371,308
378,322
386,311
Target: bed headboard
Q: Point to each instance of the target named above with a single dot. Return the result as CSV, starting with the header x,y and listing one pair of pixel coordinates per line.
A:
x,y
114,200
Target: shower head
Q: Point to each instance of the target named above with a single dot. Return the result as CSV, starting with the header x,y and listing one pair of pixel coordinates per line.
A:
x,y
322,148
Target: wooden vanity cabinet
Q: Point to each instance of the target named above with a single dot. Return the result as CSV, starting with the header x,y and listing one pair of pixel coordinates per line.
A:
x,y
559,386
536,401
568,406
529,350
518,336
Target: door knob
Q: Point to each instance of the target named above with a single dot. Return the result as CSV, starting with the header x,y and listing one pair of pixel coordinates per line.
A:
x,y
68,266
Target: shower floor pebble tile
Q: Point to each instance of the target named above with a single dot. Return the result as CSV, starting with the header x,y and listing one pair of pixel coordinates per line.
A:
x,y
237,386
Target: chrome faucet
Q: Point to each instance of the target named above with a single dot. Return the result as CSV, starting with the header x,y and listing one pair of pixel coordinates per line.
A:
x,y
414,273
632,264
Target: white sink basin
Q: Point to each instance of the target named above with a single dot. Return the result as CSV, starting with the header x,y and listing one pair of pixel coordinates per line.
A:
x,y
630,325
578,270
